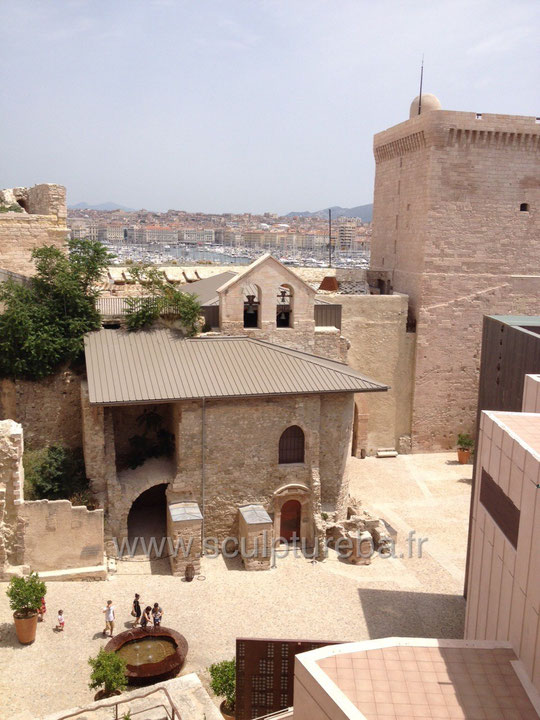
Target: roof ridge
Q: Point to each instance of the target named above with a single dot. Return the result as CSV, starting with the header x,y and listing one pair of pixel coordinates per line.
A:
x,y
310,357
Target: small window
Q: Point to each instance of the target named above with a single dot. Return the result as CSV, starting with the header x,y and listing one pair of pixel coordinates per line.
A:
x,y
524,207
478,116
291,445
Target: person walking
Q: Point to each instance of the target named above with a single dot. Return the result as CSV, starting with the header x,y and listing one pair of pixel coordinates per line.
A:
x,y
157,614
109,613
146,617
60,622
136,610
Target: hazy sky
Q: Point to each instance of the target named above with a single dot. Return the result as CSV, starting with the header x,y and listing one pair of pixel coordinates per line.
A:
x,y
242,105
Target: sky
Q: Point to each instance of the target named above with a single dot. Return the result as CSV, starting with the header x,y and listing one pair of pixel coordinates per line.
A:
x,y
242,105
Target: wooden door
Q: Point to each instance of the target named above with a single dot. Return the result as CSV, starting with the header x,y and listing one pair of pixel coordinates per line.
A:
x,y
291,512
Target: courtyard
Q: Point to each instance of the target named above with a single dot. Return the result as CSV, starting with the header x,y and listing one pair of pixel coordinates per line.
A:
x,y
332,600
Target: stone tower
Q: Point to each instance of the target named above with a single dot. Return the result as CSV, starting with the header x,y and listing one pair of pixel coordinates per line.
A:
x,y
456,224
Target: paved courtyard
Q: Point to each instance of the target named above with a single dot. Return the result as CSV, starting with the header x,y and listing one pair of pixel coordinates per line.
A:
x,y
298,599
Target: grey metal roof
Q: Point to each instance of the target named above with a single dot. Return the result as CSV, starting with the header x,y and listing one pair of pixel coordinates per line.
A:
x,y
206,290
255,514
161,366
182,511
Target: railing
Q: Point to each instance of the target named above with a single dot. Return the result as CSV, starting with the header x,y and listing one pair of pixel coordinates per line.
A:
x,y
172,714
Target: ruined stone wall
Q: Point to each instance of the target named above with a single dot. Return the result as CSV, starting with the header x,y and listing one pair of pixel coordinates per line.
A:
x,y
42,534
58,536
48,409
380,347
241,452
447,221
43,222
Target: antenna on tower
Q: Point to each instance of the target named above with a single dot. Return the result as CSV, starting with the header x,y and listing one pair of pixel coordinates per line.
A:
x,y
421,80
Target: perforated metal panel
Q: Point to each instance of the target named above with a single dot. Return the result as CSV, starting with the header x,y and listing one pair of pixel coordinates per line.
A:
x,y
265,674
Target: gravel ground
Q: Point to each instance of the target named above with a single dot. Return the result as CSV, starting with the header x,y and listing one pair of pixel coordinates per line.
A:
x,y
298,599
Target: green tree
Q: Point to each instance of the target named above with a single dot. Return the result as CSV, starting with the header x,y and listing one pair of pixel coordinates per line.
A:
x,y
159,297
223,682
43,322
108,672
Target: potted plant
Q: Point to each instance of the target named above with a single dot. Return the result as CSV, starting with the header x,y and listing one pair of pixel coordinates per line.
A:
x,y
465,444
108,674
25,595
223,684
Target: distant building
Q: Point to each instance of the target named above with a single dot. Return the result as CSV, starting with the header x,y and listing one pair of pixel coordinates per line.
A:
x,y
198,236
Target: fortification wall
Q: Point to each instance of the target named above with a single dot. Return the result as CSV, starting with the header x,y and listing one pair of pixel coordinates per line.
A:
x,y
380,347
48,409
42,222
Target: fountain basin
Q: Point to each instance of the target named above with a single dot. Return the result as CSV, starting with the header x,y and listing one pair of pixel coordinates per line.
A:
x,y
152,655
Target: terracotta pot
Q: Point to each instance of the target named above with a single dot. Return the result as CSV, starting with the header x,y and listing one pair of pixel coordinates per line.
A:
x,y
463,456
226,715
25,627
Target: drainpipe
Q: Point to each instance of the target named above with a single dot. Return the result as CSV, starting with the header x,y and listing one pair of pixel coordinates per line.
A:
x,y
203,440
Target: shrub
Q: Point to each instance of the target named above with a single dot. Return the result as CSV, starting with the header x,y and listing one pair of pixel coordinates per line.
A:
x,y
25,594
160,298
108,672
465,441
155,441
223,682
43,322
55,473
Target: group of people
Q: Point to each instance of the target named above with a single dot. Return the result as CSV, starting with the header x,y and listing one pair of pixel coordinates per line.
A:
x,y
150,616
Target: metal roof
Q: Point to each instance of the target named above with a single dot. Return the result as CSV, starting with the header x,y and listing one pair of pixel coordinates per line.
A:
x,y
161,366
206,290
254,514
184,511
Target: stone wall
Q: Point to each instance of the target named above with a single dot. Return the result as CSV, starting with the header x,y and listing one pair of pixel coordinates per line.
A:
x,y
43,222
48,409
42,535
380,347
241,453
60,536
448,224
265,278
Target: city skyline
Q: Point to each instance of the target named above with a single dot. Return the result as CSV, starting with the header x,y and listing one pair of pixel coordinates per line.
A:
x,y
241,107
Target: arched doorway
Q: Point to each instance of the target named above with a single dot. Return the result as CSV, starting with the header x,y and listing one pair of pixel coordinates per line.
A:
x,y
291,513
147,519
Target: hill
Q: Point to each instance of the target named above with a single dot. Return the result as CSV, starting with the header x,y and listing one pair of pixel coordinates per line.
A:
x,y
360,211
101,206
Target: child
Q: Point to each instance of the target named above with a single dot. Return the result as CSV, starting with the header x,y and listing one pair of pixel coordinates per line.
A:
x,y
157,614
42,610
60,625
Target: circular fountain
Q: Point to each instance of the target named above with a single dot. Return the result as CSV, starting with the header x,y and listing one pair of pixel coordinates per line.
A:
x,y
152,655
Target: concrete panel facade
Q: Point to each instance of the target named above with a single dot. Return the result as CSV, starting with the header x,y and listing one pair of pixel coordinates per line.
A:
x,y
504,581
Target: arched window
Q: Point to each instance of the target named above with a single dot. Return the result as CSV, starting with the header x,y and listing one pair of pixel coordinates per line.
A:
x,y
284,307
291,445
252,306
524,207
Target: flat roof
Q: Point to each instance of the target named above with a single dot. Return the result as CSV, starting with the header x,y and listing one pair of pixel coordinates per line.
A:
x,y
525,426
159,365
420,678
